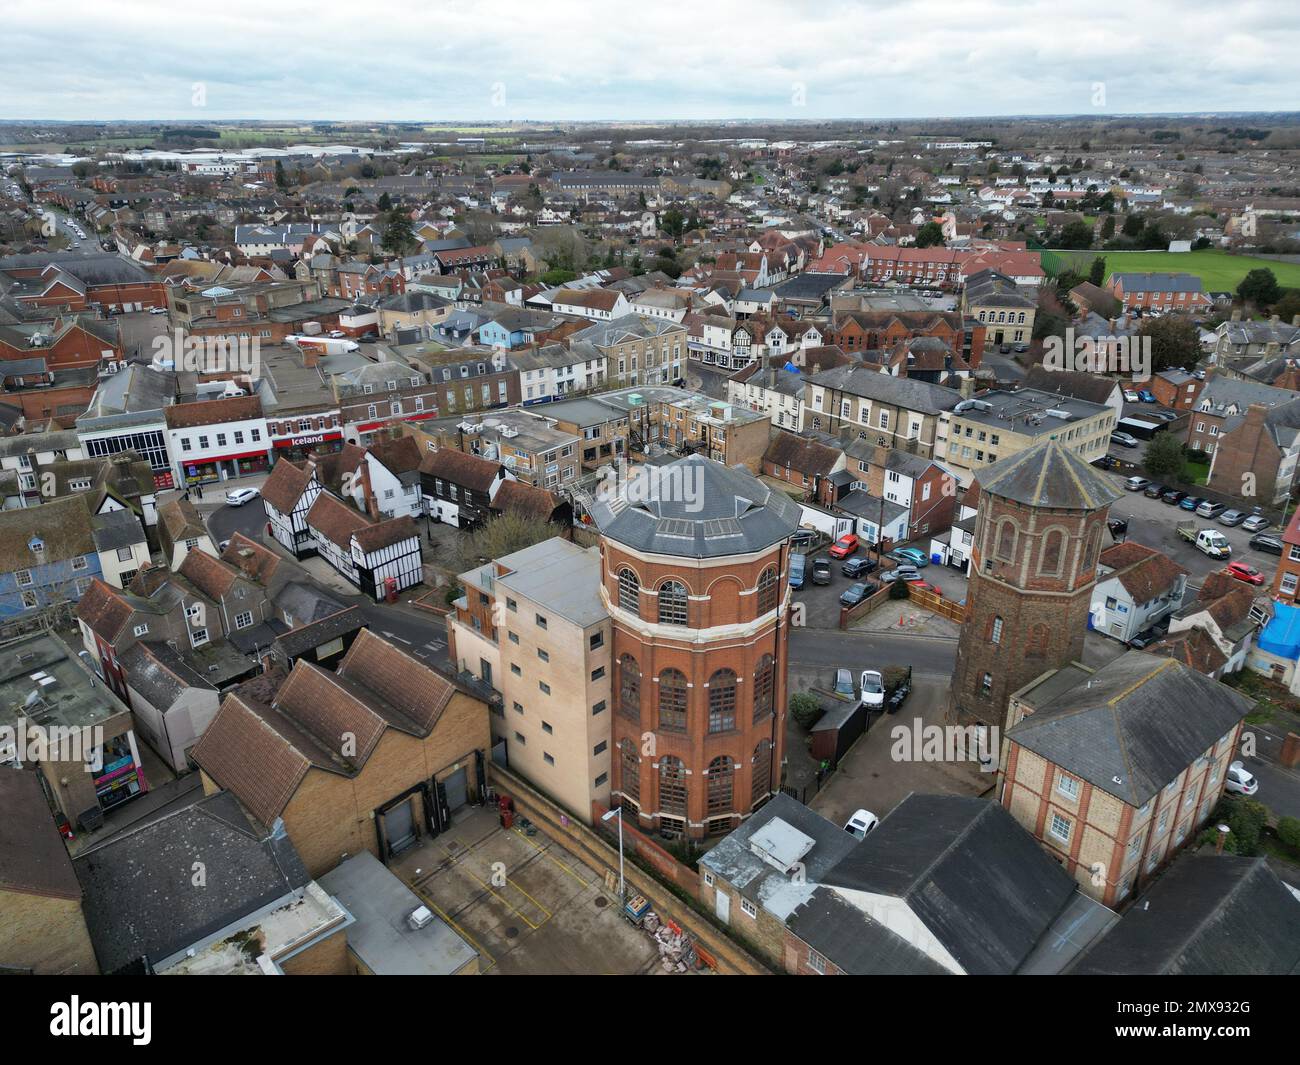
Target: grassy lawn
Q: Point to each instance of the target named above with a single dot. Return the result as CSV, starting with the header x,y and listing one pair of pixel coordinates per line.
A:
x,y
1219,271
1196,472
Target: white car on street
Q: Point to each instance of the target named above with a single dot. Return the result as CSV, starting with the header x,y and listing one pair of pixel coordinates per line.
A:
x,y
237,497
862,822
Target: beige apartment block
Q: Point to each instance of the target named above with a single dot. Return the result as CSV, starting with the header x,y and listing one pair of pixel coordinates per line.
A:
x,y
532,624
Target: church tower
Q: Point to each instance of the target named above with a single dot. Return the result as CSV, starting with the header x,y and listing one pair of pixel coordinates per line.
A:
x,y
1040,520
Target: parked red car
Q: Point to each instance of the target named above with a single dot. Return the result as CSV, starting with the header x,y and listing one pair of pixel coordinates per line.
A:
x,y
926,586
1245,572
844,546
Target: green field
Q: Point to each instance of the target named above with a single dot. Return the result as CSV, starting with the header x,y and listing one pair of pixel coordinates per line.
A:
x,y
1220,271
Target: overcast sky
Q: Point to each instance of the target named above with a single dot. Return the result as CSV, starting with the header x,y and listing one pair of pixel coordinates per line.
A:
x,y
654,59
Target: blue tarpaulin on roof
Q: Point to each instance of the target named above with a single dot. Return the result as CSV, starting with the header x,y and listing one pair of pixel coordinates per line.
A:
x,y
791,367
1281,636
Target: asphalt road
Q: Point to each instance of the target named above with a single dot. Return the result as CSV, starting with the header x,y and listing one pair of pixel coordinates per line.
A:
x,y
830,649
224,522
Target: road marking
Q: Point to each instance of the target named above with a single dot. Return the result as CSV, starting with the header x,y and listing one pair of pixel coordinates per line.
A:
x,y
463,934
545,851
394,636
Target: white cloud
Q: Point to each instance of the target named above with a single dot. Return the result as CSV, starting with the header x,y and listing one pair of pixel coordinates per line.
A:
x,y
564,59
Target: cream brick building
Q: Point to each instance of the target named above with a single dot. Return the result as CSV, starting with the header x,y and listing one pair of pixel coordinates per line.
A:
x,y
996,425
1112,771
532,624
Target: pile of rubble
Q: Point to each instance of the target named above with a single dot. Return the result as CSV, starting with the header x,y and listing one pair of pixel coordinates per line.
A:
x,y
675,953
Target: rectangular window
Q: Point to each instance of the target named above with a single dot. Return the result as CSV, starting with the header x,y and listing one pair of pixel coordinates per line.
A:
x,y
1067,786
516,670
543,655
1060,827
243,620
600,780
599,708
544,687
816,962
514,637
597,673
141,630
548,759
518,707
748,908
596,640
541,621
600,747
546,727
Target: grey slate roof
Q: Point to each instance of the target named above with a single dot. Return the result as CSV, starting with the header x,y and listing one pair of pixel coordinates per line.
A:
x,y
855,943
980,883
1132,726
906,392
1049,474
697,508
1159,282
1208,915
140,899
116,529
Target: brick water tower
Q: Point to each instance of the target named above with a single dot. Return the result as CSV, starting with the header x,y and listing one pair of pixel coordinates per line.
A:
x,y
694,557
1040,521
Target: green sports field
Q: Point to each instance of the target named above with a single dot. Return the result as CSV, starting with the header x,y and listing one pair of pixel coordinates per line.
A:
x,y
1219,271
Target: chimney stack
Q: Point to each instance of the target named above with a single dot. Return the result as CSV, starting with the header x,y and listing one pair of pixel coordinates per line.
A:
x,y
967,387
1236,315
1273,320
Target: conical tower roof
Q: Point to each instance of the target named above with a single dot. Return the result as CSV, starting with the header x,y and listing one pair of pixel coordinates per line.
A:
x,y
1049,474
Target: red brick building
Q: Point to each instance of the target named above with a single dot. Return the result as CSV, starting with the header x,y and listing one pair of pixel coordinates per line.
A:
x,y
1042,514
693,571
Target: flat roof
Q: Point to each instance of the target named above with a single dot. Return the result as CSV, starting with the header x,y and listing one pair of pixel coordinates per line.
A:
x,y
1025,411
73,697
560,576
381,936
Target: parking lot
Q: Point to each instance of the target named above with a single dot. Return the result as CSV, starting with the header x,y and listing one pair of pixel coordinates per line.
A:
x,y
527,905
1154,524
821,602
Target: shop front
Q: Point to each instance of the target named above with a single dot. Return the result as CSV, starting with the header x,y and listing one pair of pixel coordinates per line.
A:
x,y
225,467
297,448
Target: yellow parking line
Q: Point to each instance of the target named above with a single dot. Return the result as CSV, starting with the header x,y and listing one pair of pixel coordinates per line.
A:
x,y
547,853
462,933
530,899
517,911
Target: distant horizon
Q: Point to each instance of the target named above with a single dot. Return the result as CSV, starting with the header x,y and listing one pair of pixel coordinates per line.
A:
x,y
451,123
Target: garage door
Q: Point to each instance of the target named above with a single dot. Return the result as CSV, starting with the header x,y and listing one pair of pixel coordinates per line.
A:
x,y
457,789
399,826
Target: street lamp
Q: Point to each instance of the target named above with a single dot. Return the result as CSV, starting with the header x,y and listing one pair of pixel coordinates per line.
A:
x,y
618,812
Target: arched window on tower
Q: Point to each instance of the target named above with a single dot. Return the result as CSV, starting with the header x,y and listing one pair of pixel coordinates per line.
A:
x,y
1053,552
768,586
764,683
1006,545
629,770
629,688
672,603
760,773
672,701
722,701
720,777
629,591
672,785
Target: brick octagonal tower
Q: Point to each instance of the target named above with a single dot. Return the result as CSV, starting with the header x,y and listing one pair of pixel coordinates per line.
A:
x,y
1040,520
694,577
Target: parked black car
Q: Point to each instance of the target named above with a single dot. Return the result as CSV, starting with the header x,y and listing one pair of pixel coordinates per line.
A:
x,y
1267,542
821,571
855,593
858,567
803,538
1172,496
1144,639
1154,491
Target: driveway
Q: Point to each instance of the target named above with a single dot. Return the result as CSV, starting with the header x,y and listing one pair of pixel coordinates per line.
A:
x,y
880,771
